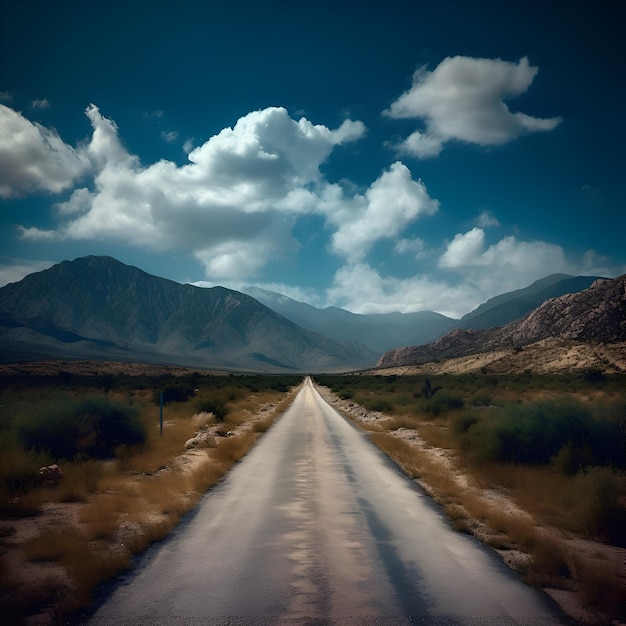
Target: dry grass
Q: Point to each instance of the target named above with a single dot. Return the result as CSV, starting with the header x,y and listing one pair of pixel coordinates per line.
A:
x,y
231,449
128,504
438,436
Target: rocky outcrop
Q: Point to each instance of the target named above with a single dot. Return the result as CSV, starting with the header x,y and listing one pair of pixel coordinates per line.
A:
x,y
597,314
50,474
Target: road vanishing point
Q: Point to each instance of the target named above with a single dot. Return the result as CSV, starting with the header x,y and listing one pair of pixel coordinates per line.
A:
x,y
316,526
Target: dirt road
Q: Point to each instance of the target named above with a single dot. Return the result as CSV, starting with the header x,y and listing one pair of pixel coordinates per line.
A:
x,y
315,525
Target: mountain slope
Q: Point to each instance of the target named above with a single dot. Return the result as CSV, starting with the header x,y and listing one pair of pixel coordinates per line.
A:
x,y
377,332
597,314
97,307
513,305
385,331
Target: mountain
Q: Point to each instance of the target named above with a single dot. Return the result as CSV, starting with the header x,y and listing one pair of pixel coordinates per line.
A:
x,y
510,306
99,308
595,315
376,332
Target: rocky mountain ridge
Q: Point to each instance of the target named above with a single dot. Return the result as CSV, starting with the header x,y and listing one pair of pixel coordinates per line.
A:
x,y
597,315
99,308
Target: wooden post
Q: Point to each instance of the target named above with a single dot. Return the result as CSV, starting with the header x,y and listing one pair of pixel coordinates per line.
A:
x,y
161,415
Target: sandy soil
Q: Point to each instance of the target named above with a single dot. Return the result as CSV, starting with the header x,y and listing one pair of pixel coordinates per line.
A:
x,y
568,599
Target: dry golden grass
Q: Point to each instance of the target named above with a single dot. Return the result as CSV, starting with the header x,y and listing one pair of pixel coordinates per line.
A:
x,y
401,421
137,499
437,435
230,449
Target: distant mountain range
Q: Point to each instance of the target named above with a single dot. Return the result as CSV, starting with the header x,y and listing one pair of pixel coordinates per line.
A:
x,y
596,314
99,308
382,332
378,332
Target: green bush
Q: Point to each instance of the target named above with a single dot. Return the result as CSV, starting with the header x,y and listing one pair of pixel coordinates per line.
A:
x,y
174,392
213,405
444,402
463,422
562,432
378,404
88,428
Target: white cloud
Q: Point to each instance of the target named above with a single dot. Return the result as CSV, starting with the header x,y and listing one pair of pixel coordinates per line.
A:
x,y
416,247
508,256
422,145
478,273
473,273
487,220
361,289
390,204
169,136
464,249
105,146
463,99
232,206
42,103
505,265
79,202
34,158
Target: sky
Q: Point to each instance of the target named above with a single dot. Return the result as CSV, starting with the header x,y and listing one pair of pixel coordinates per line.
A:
x,y
396,156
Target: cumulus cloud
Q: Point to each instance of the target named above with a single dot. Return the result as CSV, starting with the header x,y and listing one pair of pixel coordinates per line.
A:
x,y
361,289
505,265
463,99
510,256
473,273
390,204
34,158
233,204
487,220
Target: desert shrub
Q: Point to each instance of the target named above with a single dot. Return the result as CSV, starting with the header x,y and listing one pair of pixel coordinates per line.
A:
x,y
174,392
19,468
444,402
562,431
89,428
597,504
593,376
213,405
480,398
378,404
463,422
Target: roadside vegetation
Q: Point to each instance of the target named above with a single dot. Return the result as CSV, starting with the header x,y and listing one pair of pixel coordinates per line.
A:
x,y
123,484
554,444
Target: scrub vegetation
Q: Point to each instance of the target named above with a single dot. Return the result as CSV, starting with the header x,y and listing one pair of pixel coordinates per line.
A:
x,y
124,485
554,444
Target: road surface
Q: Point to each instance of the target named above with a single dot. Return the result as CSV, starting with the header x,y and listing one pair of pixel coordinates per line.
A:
x,y
316,526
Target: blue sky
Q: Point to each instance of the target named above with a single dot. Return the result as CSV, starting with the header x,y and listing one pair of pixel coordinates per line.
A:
x,y
374,156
